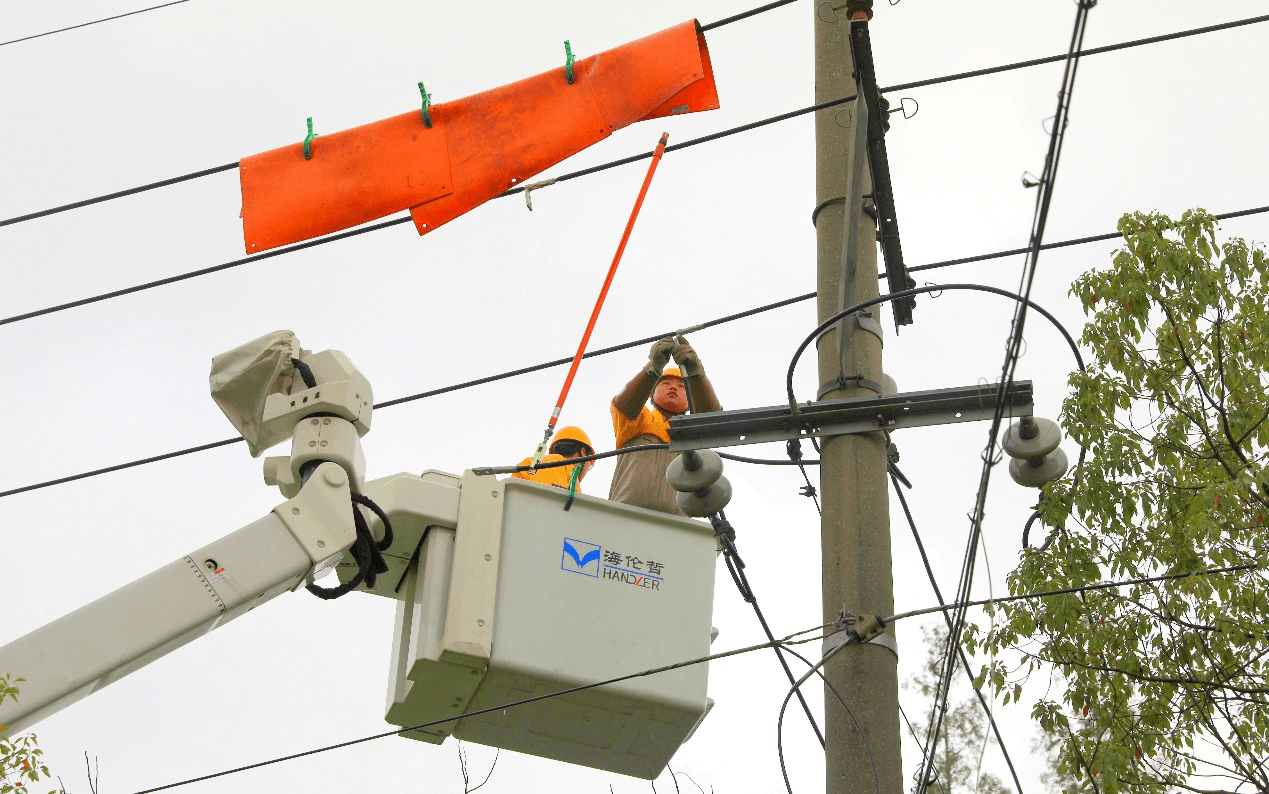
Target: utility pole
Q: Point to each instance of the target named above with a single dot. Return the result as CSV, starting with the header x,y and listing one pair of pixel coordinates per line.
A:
x,y
855,527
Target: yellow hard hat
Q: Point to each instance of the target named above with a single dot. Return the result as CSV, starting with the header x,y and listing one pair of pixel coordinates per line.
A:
x,y
672,372
574,433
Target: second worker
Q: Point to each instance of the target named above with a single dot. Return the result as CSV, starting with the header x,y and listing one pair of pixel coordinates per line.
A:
x,y
641,415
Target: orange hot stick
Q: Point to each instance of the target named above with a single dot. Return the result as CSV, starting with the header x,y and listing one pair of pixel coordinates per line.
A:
x,y
599,304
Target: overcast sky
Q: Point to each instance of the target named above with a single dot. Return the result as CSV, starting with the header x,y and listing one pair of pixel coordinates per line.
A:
x,y
726,227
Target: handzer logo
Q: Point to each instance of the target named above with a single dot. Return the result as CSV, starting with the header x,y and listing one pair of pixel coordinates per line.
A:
x,y
580,557
589,559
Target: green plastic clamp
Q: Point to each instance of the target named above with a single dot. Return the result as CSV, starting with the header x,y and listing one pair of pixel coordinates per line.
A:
x,y
568,61
308,142
427,103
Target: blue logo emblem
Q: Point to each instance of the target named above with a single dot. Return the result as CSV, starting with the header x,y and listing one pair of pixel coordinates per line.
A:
x,y
580,557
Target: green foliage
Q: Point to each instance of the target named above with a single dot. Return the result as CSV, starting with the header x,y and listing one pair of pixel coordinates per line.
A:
x,y
20,763
1165,682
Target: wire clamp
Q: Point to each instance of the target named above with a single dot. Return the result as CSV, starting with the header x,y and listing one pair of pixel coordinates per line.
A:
x,y
844,382
427,103
568,61
864,627
308,141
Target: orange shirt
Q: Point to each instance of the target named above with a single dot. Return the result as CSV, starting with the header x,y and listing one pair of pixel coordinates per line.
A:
x,y
648,422
558,476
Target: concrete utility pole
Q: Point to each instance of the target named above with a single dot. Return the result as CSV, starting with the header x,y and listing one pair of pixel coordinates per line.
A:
x,y
855,527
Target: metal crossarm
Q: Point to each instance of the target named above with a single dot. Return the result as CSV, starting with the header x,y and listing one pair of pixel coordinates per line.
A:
x,y
844,416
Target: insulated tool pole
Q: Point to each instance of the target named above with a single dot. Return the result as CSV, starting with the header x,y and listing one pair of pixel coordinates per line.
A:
x,y
599,304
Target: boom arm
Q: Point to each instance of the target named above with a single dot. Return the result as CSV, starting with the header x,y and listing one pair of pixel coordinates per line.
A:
x,y
98,644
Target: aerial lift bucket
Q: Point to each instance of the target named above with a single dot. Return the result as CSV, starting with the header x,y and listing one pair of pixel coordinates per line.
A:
x,y
504,596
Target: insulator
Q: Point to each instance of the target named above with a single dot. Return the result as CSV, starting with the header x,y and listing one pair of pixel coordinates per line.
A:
x,y
1034,472
699,504
707,472
1032,438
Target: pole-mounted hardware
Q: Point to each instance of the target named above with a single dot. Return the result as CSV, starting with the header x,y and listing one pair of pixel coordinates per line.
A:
x,y
568,61
1033,445
698,478
308,141
846,416
427,103
897,277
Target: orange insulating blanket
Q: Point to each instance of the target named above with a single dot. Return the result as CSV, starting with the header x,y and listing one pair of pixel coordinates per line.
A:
x,y
477,147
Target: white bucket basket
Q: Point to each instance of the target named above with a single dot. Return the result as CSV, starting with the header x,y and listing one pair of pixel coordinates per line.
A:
x,y
518,598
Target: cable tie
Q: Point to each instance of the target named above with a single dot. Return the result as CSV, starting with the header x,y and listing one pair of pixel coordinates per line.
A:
x,y
528,189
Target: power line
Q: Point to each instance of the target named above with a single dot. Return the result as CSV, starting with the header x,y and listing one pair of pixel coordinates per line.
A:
x,y
130,191
94,22
560,362
745,14
1247,566
405,219
1097,238
644,673
204,271
1124,45
431,393
1013,344
230,166
593,169
964,659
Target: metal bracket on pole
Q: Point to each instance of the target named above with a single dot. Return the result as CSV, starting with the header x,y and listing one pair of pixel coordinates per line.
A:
x,y
852,208
846,416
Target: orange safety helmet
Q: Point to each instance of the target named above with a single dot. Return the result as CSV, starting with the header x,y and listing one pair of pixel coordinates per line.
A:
x,y
672,372
572,433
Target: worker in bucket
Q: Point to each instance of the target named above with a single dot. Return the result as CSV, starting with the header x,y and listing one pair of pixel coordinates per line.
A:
x,y
640,476
568,442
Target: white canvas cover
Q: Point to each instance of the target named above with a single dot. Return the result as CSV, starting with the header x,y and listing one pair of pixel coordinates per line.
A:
x,y
242,378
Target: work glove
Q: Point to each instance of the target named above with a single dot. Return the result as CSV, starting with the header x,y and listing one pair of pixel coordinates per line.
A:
x,y
686,358
659,355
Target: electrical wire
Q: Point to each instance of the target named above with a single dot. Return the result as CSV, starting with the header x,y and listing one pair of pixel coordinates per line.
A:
x,y
1123,45
767,461
1096,238
876,779
815,668
797,355
635,158
94,22
1043,202
745,14
405,219
1247,566
425,394
478,712
736,567
964,659
593,169
560,362
206,270
487,470
1013,345
120,194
